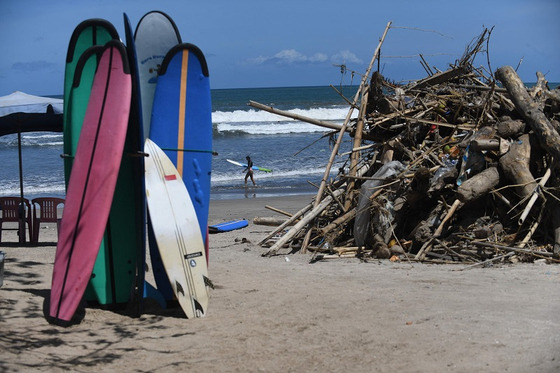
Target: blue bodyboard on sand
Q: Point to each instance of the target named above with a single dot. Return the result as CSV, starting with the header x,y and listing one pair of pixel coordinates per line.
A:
x,y
228,226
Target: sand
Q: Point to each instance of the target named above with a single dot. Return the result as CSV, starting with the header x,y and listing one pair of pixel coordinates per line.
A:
x,y
283,314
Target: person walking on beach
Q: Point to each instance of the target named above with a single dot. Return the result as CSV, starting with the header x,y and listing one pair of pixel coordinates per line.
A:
x,y
249,170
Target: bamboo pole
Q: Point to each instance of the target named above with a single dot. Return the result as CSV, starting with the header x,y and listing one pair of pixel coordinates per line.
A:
x,y
279,211
342,130
355,156
302,223
288,222
534,196
348,117
339,221
302,118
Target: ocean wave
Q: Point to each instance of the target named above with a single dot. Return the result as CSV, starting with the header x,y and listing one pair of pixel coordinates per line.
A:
x,y
266,128
34,190
224,178
254,122
33,139
252,115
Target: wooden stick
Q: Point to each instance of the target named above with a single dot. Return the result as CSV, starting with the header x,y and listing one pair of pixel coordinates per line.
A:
x,y
305,242
534,196
268,220
279,211
355,156
288,222
346,249
450,213
336,256
532,230
440,77
302,223
421,254
390,117
440,124
339,221
486,261
302,118
451,251
358,149
341,95
329,190
509,248
348,117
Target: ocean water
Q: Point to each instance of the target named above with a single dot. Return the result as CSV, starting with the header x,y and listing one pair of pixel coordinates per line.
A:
x,y
296,151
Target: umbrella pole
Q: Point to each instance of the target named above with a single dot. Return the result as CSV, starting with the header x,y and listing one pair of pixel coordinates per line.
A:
x,y
22,205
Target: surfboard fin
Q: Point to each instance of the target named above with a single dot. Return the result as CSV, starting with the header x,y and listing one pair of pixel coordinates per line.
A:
x,y
179,288
198,310
208,282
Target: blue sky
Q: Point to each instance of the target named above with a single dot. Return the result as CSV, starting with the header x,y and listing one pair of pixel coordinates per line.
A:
x,y
269,43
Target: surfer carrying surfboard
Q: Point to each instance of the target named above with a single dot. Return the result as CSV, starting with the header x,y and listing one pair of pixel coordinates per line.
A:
x,y
249,170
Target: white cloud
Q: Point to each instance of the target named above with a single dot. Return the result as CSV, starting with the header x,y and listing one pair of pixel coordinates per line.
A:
x,y
290,56
345,57
33,66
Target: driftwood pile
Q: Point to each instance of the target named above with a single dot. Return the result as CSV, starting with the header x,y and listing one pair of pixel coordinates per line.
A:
x,y
461,166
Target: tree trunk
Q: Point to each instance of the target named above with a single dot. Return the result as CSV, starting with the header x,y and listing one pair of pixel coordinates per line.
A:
x,y
547,135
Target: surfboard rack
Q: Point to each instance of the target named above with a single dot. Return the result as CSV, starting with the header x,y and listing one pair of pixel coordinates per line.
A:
x,y
138,154
191,150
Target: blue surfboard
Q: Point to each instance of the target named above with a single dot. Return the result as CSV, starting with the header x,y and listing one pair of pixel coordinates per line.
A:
x,y
155,35
182,122
228,226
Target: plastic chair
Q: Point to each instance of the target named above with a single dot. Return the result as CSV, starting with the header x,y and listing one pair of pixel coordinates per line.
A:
x,y
11,210
45,210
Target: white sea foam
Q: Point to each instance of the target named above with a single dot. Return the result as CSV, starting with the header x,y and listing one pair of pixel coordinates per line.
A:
x,y
252,115
269,128
265,123
33,139
33,190
222,178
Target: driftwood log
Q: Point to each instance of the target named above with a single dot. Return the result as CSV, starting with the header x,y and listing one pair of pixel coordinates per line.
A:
x,y
530,111
269,220
515,166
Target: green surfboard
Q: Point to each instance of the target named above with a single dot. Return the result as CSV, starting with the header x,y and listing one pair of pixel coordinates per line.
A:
x,y
113,280
89,33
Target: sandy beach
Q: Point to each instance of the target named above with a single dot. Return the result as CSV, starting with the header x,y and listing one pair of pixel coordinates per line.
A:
x,y
283,314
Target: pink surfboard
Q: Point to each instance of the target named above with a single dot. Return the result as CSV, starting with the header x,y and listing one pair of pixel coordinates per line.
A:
x,y
92,182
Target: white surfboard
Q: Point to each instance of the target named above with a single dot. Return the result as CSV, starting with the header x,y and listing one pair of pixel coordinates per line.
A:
x,y
256,168
178,236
